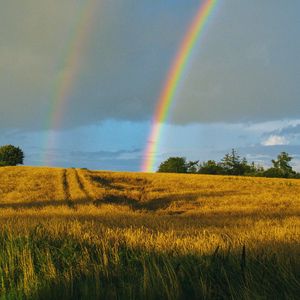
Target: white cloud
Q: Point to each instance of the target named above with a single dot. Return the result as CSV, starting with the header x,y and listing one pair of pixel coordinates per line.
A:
x,y
274,140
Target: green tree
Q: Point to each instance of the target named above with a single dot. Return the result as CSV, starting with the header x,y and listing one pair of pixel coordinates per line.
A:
x,y
11,156
211,167
283,162
274,173
233,164
281,167
174,165
255,170
230,162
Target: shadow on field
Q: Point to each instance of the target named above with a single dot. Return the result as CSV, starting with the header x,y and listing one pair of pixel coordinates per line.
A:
x,y
145,274
151,205
159,203
45,203
120,184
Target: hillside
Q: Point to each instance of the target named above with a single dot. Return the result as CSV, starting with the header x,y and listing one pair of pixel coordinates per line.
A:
x,y
25,187
154,235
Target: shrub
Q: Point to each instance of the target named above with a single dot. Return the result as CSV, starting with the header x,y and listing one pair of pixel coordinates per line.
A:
x,y
11,156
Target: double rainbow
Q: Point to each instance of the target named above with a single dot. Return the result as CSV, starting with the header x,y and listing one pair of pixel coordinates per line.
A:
x,y
71,62
179,65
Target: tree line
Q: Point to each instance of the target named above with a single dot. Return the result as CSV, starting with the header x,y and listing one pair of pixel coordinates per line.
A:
x,y
231,164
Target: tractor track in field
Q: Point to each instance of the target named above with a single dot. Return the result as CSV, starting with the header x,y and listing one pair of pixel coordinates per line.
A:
x,y
74,187
66,188
81,185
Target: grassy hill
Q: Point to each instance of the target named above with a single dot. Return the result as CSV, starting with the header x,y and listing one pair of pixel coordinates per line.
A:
x,y
75,233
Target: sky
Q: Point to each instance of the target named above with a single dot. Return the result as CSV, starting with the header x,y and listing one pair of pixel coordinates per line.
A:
x,y
111,57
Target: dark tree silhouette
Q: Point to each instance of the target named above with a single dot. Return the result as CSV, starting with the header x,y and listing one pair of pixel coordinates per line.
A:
x,y
11,156
233,164
211,167
281,167
174,165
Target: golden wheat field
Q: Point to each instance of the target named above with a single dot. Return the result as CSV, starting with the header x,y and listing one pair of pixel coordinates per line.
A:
x,y
81,234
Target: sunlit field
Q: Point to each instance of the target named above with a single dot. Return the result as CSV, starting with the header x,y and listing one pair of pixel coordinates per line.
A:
x,y
80,234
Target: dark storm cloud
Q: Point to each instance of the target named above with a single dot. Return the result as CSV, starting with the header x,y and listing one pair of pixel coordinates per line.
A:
x,y
248,67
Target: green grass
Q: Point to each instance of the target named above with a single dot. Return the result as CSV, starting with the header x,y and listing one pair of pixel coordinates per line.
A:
x,y
43,265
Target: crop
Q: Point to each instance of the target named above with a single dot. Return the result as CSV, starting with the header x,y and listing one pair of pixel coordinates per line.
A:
x,y
80,234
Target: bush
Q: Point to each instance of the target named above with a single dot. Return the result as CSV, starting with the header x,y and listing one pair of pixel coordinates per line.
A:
x,y
211,167
11,156
275,173
174,165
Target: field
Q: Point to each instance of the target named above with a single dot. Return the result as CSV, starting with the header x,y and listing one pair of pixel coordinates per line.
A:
x,y
80,234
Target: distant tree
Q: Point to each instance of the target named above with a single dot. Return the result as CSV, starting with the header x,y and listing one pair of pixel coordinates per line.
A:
x,y
281,167
255,170
297,175
230,162
274,173
283,162
211,167
11,156
174,165
233,164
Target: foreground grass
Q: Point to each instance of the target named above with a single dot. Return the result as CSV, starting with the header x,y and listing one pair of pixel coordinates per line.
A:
x,y
61,265
77,234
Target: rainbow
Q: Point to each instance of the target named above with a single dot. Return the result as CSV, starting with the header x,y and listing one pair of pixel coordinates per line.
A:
x,y
174,77
69,66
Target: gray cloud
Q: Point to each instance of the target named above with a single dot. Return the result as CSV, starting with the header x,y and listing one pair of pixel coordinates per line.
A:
x,y
245,69
248,67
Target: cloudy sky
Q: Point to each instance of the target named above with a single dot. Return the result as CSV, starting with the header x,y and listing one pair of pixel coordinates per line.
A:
x,y
241,89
